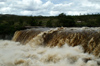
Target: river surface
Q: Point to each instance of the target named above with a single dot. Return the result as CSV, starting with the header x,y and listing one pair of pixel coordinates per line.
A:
x,y
32,54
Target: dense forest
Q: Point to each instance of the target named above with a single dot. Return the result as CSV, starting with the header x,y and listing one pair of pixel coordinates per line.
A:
x,y
10,23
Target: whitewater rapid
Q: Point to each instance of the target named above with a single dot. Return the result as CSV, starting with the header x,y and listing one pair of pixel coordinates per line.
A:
x,y
15,54
52,47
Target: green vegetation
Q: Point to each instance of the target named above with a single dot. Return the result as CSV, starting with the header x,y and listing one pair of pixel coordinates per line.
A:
x,y
11,23
66,21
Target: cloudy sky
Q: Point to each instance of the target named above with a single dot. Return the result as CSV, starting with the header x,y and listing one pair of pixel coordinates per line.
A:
x,y
49,7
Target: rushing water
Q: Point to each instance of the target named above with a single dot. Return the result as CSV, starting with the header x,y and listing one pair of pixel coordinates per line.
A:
x,y
16,54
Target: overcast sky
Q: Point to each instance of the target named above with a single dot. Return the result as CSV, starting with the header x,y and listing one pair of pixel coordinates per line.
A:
x,y
49,7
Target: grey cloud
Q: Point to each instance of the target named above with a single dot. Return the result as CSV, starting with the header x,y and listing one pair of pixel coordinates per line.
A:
x,y
37,7
95,1
30,5
3,0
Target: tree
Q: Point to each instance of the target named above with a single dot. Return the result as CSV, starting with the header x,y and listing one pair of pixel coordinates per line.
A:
x,y
49,23
66,21
33,22
62,15
98,21
40,23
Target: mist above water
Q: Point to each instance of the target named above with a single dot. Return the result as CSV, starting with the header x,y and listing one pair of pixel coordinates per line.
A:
x,y
15,54
40,50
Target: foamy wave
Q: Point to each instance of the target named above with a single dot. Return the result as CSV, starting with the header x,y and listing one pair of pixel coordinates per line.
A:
x,y
88,38
16,54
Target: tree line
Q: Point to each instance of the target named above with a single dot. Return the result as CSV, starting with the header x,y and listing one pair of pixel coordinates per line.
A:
x,y
11,23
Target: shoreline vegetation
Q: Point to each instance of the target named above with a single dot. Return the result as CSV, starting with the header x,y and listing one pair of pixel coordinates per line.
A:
x,y
11,23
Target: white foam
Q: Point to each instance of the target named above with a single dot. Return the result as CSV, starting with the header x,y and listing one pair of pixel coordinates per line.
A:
x,y
15,54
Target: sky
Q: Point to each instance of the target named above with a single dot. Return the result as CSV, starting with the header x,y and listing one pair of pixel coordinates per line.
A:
x,y
49,7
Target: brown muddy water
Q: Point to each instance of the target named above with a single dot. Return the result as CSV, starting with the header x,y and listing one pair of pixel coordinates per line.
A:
x,y
52,47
